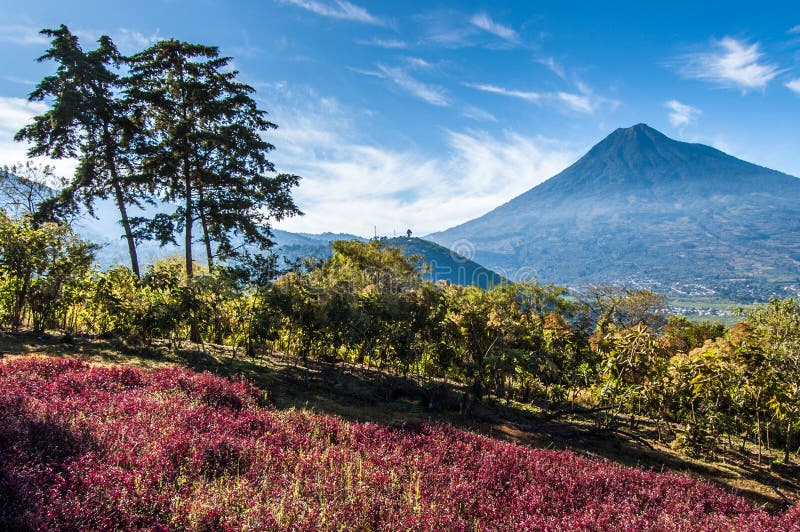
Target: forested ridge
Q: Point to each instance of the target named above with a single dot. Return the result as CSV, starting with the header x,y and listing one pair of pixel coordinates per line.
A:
x,y
172,123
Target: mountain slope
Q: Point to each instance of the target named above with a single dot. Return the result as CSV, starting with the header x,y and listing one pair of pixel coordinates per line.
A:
x,y
443,264
642,208
439,263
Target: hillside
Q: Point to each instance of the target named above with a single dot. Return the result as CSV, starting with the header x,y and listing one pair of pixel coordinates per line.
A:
x,y
442,264
438,262
90,448
643,209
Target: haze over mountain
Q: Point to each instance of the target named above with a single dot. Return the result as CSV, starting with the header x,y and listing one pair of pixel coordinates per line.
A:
x,y
640,208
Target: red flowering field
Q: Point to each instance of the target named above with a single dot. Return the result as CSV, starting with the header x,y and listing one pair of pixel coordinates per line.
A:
x,y
101,448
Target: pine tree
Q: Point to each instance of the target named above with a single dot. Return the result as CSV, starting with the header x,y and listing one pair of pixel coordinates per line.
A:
x,y
205,150
88,118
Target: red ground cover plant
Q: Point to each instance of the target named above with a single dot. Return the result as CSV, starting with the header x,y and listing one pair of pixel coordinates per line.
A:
x,y
101,448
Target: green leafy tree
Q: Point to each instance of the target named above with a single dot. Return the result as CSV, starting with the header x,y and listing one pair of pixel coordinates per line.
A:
x,y
43,268
776,332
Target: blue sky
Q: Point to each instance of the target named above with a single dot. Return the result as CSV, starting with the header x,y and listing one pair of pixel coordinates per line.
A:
x,y
423,115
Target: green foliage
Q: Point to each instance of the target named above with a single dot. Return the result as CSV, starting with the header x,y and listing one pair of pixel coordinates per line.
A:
x,y
368,304
44,271
775,328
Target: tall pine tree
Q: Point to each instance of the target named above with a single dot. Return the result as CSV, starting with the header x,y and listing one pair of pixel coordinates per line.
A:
x,y
205,150
88,119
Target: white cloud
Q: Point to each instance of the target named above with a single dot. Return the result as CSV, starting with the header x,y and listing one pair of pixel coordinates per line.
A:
x,y
476,113
484,22
681,114
418,62
16,113
431,94
554,67
795,29
339,9
583,102
350,185
732,64
794,85
22,35
392,44
530,96
577,102
129,41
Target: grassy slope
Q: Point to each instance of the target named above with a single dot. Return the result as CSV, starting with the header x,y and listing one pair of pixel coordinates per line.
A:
x,y
361,394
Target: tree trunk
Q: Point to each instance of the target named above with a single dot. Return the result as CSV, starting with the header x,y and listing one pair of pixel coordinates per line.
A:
x,y
194,332
188,220
119,196
758,429
788,447
19,303
126,225
206,236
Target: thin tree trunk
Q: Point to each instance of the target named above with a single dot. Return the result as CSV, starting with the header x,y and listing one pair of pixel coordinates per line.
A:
x,y
769,444
788,447
188,220
758,428
119,196
206,236
194,332
19,304
126,225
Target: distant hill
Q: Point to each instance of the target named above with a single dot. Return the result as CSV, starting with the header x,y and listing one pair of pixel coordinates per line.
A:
x,y
446,265
440,263
646,210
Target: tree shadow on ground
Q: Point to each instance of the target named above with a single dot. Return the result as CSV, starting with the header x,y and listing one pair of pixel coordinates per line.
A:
x,y
42,446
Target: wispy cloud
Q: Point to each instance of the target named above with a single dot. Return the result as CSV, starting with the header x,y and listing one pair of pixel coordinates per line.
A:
x,y
418,62
338,9
391,44
584,101
794,85
553,66
581,103
133,38
21,81
16,113
681,114
485,22
731,63
350,185
22,35
127,40
453,29
795,29
131,41
431,94
530,96
476,113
